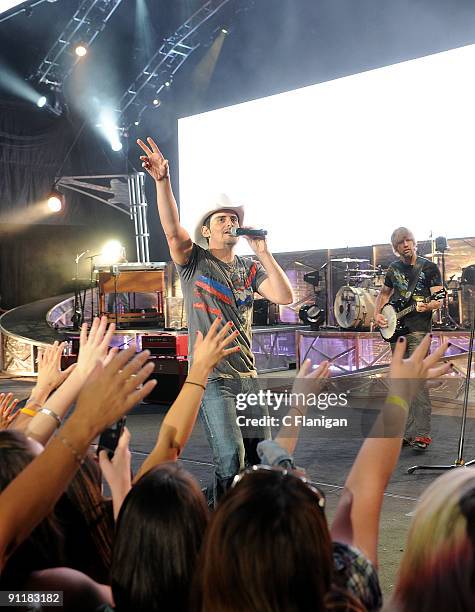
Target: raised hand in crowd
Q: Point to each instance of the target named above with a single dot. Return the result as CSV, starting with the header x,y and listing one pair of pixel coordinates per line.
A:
x,y
50,377
93,349
109,393
7,404
117,470
179,421
307,381
357,517
408,375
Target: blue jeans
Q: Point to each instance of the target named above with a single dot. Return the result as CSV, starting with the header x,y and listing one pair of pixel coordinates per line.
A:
x,y
420,410
233,447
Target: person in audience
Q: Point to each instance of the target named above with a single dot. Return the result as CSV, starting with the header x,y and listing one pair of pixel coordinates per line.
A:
x,y
107,394
437,570
167,514
268,546
87,522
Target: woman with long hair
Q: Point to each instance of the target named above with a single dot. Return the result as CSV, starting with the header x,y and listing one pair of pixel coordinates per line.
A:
x,y
437,570
159,533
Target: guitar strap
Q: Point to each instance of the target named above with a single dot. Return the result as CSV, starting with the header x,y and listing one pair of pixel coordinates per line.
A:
x,y
415,277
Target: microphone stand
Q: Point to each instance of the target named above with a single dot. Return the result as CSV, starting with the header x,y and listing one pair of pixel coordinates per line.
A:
x,y
79,303
460,461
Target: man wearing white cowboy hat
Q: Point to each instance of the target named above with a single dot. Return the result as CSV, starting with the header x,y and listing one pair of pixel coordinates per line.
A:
x,y
217,283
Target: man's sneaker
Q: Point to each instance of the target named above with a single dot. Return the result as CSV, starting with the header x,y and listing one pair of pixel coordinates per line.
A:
x,y
421,443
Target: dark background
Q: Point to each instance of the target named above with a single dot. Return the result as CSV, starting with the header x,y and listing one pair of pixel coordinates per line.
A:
x,y
273,46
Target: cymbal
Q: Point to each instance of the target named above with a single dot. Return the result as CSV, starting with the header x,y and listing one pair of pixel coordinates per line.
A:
x,y
359,271
358,276
436,254
349,260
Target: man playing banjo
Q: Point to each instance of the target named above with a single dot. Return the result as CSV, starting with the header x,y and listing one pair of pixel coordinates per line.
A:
x,y
409,278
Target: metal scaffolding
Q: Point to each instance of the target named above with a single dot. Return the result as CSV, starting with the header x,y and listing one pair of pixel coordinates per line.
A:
x,y
128,197
167,60
85,25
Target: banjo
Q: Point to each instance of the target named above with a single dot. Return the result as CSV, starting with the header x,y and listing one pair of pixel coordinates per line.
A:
x,y
396,311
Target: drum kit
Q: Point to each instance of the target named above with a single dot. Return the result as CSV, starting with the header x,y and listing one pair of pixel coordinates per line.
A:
x,y
355,302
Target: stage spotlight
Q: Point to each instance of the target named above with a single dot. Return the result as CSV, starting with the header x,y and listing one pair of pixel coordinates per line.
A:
x,y
109,128
167,83
55,201
312,315
41,101
224,30
80,50
156,102
112,252
137,122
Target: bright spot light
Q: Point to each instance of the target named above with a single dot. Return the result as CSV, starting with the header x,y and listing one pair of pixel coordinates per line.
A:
x,y
112,252
80,50
136,122
224,31
41,101
167,83
108,123
156,102
55,204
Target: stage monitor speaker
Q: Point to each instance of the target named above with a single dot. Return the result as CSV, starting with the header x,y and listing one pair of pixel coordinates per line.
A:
x,y
170,375
265,313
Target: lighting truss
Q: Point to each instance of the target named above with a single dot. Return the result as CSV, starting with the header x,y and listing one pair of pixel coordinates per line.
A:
x,y
165,63
85,25
128,197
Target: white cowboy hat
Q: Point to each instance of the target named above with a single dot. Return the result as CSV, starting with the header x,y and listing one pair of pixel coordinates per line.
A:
x,y
223,202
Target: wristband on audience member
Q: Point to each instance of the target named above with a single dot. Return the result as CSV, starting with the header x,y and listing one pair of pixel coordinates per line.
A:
x,y
52,414
77,455
28,411
397,401
189,382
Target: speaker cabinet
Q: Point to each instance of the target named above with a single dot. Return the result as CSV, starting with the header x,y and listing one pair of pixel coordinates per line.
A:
x,y
170,375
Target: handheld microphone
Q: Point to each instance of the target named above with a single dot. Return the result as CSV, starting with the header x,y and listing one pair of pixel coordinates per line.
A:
x,y
247,231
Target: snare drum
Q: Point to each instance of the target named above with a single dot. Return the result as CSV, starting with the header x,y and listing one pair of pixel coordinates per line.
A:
x,y
354,307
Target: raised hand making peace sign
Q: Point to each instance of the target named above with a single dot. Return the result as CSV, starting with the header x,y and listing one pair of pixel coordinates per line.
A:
x,y
154,162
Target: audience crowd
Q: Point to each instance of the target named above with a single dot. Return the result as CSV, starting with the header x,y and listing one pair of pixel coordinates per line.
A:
x,y
154,545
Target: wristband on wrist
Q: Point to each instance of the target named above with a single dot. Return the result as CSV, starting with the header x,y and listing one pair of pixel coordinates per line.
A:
x,y
28,411
52,414
397,401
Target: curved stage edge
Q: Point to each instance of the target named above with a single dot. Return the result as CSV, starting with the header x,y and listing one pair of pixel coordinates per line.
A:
x,y
278,349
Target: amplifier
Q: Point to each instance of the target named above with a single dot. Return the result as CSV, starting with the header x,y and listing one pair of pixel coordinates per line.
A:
x,y
166,345
265,313
170,375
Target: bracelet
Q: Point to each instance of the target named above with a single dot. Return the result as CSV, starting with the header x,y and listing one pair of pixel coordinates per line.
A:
x,y
189,382
52,414
79,458
397,401
28,411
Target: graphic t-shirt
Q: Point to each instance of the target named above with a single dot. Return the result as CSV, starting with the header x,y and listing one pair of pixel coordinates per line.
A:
x,y
399,277
213,288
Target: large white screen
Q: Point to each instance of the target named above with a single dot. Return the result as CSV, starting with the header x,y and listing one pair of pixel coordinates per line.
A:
x,y
343,163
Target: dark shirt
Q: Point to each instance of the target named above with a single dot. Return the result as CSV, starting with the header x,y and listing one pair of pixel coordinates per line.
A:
x,y
212,288
399,276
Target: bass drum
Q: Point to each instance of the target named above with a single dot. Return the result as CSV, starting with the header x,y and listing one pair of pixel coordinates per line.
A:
x,y
354,307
